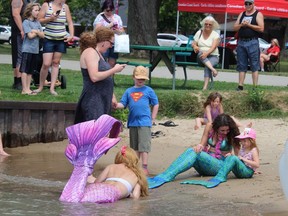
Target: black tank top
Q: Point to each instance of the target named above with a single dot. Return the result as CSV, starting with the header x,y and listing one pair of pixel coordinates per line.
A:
x,y
245,32
14,27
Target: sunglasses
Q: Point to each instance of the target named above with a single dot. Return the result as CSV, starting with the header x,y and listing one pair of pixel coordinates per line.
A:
x,y
108,10
248,3
112,43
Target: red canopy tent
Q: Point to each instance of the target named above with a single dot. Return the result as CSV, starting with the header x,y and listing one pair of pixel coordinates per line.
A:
x,y
274,8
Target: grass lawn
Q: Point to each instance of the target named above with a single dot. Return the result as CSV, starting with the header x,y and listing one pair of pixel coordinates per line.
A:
x,y
266,101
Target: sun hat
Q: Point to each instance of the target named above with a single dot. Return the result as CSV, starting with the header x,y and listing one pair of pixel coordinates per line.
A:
x,y
140,72
247,133
251,1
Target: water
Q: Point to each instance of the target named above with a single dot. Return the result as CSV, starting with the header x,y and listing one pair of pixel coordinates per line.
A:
x,y
32,179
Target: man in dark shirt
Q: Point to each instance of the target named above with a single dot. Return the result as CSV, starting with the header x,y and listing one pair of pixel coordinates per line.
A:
x,y
249,24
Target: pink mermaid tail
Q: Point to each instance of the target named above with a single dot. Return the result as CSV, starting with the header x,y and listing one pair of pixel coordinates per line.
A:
x,y
88,141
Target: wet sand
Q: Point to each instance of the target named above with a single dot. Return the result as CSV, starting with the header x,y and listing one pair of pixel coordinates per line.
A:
x,y
261,195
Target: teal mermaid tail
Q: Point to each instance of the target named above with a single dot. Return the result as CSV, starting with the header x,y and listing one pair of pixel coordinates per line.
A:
x,y
208,184
88,141
231,163
184,162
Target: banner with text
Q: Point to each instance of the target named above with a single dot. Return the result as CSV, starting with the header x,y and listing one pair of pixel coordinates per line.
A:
x,y
275,8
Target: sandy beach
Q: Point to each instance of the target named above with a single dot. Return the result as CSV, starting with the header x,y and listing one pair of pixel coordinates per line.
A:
x,y
263,192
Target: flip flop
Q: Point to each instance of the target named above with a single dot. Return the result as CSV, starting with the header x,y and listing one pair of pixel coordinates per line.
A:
x,y
168,124
157,134
29,93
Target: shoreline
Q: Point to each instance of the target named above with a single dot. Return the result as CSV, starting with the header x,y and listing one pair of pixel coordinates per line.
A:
x,y
263,192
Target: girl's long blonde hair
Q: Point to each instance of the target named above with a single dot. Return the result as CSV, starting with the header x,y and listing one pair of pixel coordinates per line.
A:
x,y
28,10
129,157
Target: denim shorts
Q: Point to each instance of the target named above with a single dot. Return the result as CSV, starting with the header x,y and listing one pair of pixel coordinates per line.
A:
x,y
110,54
248,53
51,46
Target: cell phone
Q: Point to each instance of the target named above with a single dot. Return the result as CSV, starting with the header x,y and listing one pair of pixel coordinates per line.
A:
x,y
58,12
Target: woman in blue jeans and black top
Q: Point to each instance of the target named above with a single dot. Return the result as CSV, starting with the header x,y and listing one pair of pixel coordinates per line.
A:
x,y
249,24
54,14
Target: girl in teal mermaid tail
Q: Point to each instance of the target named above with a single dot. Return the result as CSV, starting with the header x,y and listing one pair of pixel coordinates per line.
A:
x,y
218,142
243,166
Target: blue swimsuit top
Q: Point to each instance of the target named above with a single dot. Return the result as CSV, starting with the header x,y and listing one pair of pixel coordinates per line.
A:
x,y
223,147
124,182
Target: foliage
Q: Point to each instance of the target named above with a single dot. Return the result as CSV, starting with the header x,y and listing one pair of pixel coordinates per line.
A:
x,y
4,12
256,100
188,22
84,11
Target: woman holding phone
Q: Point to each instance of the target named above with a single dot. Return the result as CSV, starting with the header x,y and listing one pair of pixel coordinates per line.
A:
x,y
54,14
112,21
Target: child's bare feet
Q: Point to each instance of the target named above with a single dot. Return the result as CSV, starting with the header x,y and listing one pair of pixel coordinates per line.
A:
x,y
196,127
3,153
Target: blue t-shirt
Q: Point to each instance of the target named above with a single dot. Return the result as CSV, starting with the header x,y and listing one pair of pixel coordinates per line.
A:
x,y
31,45
138,100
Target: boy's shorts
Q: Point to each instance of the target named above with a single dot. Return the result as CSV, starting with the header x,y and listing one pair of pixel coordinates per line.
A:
x,y
29,63
140,138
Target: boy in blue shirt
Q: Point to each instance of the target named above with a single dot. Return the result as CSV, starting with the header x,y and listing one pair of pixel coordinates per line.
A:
x,y
138,99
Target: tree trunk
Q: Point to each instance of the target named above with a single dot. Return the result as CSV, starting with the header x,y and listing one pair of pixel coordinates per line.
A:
x,y
143,21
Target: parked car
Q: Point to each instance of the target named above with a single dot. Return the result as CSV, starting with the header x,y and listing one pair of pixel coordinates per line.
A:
x,y
228,39
167,39
74,43
5,34
264,45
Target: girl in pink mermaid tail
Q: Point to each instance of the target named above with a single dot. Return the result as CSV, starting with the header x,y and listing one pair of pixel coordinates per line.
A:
x,y
212,108
88,141
124,179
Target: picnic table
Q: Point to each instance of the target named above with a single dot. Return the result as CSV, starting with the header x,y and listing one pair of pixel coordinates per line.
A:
x,y
158,53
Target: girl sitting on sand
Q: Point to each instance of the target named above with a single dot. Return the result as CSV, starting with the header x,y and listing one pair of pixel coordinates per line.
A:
x,y
212,108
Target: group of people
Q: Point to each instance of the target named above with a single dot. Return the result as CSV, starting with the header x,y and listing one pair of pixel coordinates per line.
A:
x,y
249,26
222,148
26,33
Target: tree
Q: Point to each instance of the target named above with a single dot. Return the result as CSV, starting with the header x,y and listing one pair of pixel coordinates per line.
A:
x,y
143,21
188,22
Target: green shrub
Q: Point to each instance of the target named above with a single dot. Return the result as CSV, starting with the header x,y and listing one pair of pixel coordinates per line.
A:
x,y
257,101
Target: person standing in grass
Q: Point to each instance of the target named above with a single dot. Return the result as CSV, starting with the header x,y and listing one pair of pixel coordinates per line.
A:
x,y
249,25
97,97
138,99
30,48
17,35
54,14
